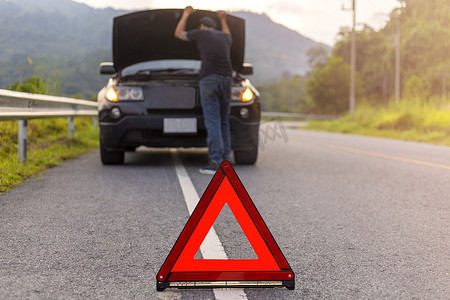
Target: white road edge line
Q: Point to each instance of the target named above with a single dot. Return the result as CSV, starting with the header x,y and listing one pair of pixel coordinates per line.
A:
x,y
211,246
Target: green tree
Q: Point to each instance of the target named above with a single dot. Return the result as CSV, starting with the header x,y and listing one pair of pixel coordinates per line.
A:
x,y
424,48
414,89
329,87
425,28
286,94
32,85
374,60
317,56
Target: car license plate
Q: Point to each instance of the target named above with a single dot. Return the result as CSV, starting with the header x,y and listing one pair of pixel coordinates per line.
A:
x,y
180,125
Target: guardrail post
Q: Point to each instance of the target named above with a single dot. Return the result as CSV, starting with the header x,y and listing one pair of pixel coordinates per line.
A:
x,y
95,121
71,126
23,136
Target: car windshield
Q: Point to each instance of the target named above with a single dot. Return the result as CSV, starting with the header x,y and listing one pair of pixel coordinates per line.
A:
x,y
168,65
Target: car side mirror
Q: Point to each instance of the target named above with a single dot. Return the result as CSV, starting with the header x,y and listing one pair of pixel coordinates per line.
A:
x,y
107,68
247,69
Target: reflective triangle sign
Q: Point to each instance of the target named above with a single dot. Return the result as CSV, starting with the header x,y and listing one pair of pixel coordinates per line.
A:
x,y
182,270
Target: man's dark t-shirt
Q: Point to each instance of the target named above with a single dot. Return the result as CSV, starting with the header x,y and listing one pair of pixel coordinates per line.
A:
x,y
214,47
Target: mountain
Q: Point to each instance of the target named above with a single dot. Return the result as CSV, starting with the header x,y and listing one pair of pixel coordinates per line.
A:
x,y
60,27
273,49
67,39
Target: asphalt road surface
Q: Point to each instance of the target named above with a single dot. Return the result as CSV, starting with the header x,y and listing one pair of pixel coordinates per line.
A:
x,y
356,218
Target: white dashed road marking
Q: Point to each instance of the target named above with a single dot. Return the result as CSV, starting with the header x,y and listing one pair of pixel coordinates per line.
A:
x,y
211,246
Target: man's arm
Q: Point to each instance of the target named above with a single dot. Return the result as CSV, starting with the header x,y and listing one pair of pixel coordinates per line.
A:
x,y
180,31
223,20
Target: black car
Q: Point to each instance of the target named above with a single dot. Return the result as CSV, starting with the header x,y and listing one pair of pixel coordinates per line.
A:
x,y
153,99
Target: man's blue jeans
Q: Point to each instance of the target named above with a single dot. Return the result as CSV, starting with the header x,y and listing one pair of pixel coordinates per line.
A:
x,y
215,97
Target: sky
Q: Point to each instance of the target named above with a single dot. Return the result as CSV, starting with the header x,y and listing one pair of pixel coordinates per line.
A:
x,y
316,19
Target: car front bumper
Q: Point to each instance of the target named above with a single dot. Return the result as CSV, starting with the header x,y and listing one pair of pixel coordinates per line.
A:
x,y
133,131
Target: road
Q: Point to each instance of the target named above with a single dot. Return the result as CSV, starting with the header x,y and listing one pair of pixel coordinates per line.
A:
x,y
356,218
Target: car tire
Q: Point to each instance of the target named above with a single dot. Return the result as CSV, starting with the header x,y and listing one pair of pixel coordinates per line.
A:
x,y
111,157
246,157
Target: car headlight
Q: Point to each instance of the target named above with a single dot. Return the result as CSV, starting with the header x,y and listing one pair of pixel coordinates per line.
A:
x,y
125,93
242,94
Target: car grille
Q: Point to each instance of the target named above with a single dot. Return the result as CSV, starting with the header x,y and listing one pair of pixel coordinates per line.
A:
x,y
170,97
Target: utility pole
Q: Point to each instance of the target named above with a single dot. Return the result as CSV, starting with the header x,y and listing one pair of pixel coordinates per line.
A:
x,y
353,61
444,85
352,58
444,88
397,63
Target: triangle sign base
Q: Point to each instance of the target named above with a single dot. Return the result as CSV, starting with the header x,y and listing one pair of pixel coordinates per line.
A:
x,y
181,270
161,286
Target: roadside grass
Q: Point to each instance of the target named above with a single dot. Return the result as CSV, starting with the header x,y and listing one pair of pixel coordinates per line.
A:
x,y
411,120
48,145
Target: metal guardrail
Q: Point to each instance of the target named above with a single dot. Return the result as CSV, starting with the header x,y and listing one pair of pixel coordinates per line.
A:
x,y
297,116
24,106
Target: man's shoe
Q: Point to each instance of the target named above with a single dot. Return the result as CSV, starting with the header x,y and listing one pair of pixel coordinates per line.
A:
x,y
209,169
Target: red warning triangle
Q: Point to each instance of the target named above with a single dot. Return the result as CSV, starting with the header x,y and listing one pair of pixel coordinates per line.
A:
x,y
181,267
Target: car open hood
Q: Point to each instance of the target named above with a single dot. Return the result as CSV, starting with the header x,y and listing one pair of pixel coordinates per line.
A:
x,y
149,35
